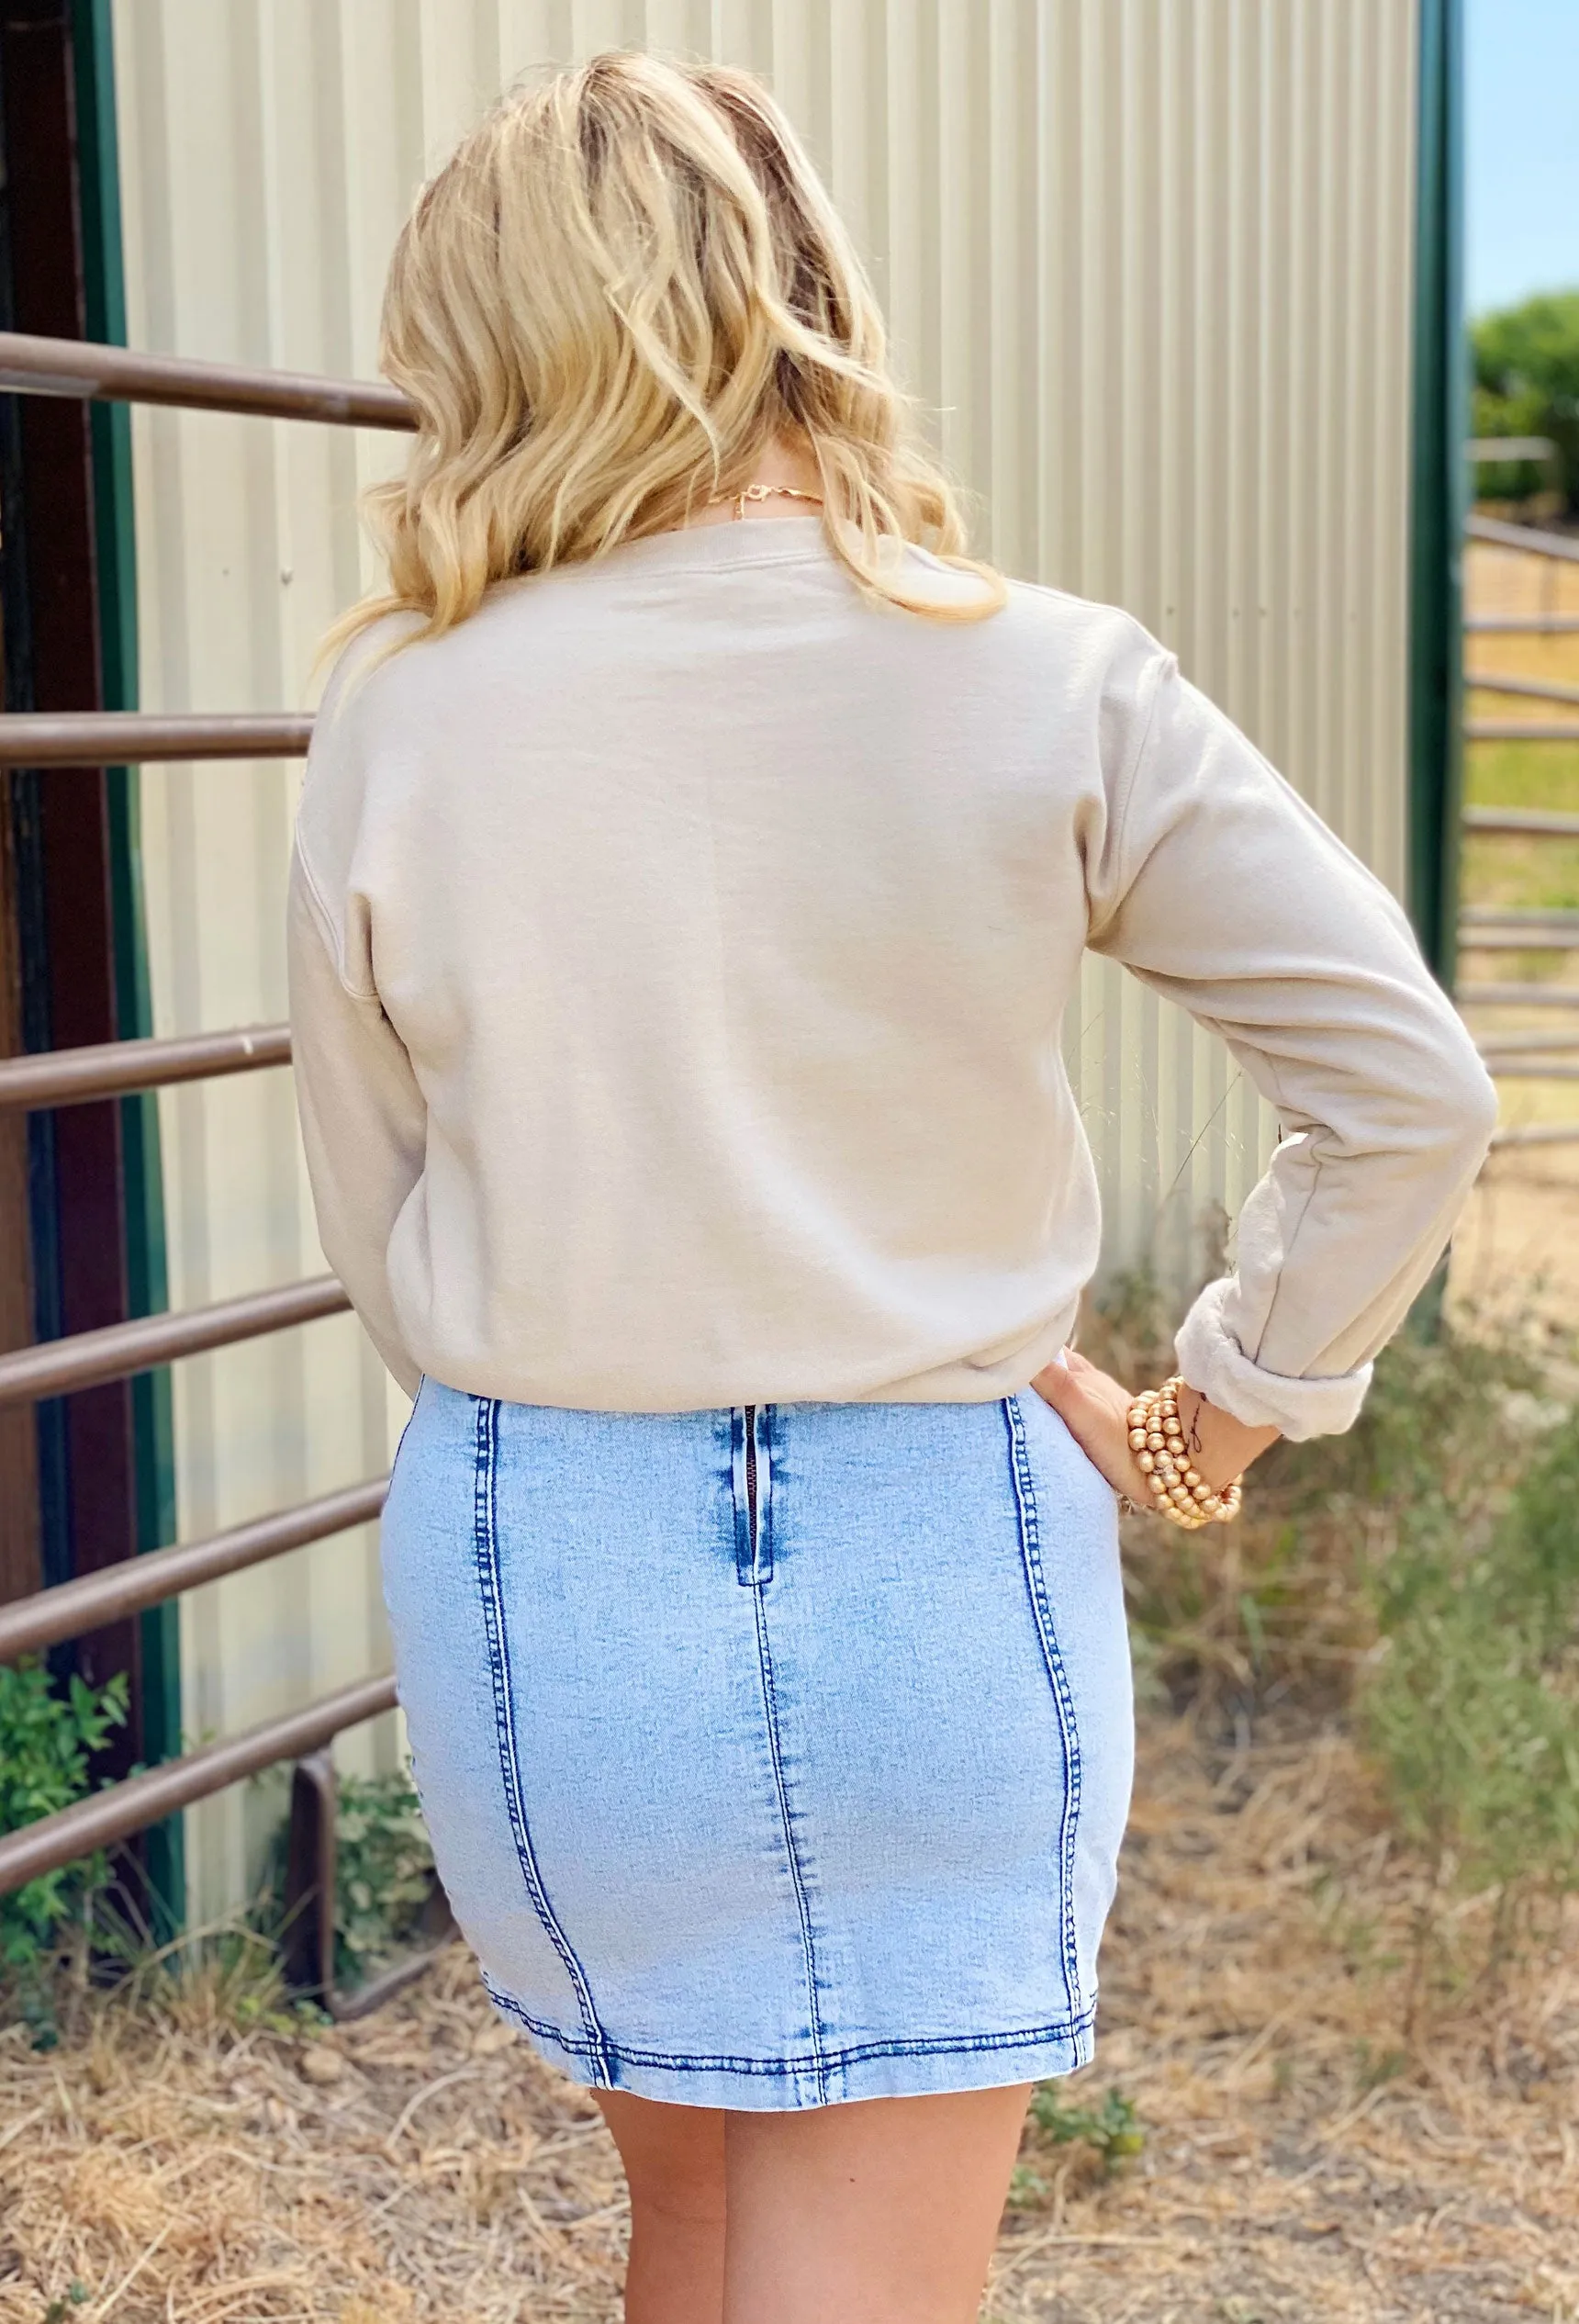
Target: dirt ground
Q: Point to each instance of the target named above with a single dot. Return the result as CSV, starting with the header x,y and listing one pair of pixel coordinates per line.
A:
x,y
1518,1240
1309,2153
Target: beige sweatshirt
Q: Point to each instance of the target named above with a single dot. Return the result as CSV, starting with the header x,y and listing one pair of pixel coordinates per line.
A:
x,y
678,955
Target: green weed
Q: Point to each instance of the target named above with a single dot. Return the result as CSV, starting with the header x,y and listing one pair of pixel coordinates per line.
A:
x,y
48,1737
1113,2130
384,1872
59,2310
1027,2187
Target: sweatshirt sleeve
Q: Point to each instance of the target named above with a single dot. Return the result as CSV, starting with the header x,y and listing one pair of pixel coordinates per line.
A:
x,y
1223,891
363,1119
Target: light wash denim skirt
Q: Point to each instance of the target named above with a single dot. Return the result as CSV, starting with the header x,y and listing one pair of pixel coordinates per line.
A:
x,y
775,1755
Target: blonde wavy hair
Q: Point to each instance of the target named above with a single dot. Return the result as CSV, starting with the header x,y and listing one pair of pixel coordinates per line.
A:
x,y
624,285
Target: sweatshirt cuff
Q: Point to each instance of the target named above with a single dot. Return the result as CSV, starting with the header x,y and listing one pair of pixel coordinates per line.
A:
x,y
1211,1359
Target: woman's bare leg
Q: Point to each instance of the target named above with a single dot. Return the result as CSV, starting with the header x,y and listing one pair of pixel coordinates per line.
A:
x,y
674,2161
883,2211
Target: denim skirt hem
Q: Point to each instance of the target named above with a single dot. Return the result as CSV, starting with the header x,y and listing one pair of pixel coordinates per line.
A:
x,y
770,2085
772,1756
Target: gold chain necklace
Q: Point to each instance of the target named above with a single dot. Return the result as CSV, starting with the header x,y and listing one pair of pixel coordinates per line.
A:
x,y
763,492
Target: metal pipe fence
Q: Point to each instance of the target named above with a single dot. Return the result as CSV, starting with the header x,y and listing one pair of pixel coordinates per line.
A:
x,y
1521,730
30,1625
57,1367
1542,938
111,1069
1542,822
130,738
1528,1043
68,367
1537,1134
74,368
122,1809
1534,543
1518,996
1522,625
1513,1056
89,372
1539,690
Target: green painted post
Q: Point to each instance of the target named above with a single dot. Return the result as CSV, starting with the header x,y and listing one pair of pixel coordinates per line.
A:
x,y
1438,491
1437,509
115,552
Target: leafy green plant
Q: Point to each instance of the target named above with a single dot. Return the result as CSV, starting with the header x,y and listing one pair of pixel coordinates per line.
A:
x,y
1113,2130
383,1876
48,1737
1526,383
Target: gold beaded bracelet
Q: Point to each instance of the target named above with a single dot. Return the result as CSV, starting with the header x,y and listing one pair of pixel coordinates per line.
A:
x,y
1179,1491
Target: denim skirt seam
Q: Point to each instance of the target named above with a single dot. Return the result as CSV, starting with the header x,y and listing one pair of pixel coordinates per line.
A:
x,y
490,1580
797,1872
773,1859
1075,2031
1035,1582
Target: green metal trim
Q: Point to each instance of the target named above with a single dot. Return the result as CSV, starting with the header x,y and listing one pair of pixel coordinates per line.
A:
x,y
116,548
1438,489
1439,507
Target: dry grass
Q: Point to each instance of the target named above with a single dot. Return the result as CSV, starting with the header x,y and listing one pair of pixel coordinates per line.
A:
x,y
1309,2155
1305,2156
418,2164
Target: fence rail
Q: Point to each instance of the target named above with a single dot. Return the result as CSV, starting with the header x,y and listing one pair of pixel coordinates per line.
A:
x,y
1500,450
116,738
1539,1134
1523,625
1542,823
1519,996
1528,1043
1555,546
30,1625
1539,690
1541,938
1521,730
109,1069
125,1808
92,372
56,1367
1519,915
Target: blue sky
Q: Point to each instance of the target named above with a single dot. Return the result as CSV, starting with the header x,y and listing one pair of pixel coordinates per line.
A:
x,y
1522,227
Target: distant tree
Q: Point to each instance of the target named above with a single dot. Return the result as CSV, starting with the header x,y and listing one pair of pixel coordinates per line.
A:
x,y
1527,384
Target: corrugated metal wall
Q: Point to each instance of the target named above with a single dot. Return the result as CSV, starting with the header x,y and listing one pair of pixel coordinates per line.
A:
x,y
1150,262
